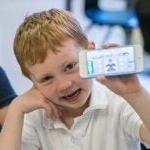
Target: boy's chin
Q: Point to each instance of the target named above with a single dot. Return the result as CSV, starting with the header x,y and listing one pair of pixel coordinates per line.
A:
x,y
80,105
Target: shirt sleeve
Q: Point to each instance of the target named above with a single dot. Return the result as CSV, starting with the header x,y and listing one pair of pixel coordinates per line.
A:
x,y
132,124
30,140
27,146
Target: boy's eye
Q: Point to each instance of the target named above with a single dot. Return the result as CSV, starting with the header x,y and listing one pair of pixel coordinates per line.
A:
x,y
46,78
71,67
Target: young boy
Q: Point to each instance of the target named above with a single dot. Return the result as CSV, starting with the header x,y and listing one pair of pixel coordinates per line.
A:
x,y
68,112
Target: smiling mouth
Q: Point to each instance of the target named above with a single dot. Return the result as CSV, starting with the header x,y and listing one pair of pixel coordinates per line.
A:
x,y
73,96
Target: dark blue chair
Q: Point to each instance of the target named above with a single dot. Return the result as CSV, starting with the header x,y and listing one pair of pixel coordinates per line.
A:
x,y
124,18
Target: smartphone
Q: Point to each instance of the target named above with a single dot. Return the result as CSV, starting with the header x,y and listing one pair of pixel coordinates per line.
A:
x,y
111,62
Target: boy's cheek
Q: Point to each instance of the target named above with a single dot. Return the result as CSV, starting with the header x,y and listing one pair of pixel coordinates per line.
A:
x,y
86,83
47,92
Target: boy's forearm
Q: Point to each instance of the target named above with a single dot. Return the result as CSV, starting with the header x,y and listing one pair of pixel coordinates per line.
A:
x,y
141,103
11,134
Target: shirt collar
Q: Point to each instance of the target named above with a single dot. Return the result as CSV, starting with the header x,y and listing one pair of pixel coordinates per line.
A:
x,y
98,101
98,98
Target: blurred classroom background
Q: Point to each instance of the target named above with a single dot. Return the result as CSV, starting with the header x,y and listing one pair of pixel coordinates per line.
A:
x,y
13,12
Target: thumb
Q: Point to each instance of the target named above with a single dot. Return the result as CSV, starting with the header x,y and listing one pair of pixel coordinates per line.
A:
x,y
91,45
110,45
102,79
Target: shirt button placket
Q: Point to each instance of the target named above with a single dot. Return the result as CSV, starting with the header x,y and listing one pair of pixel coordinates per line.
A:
x,y
75,145
73,140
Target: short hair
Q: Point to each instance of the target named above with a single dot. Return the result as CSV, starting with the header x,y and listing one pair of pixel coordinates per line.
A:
x,y
43,31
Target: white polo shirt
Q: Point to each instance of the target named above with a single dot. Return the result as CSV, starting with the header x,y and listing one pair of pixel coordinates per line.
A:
x,y
109,123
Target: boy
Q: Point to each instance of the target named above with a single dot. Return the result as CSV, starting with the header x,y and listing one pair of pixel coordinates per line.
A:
x,y
79,115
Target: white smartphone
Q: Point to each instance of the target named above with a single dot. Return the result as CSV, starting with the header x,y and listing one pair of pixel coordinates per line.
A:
x,y
112,61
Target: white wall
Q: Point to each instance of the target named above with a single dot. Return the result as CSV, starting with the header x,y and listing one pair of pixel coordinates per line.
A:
x,y
12,13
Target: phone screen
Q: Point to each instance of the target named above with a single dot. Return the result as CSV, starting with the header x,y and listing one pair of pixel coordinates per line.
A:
x,y
113,61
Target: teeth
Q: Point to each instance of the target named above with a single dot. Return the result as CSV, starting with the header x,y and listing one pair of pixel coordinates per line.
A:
x,y
69,95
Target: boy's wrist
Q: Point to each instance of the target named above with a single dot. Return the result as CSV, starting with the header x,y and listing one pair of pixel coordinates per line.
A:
x,y
135,96
16,106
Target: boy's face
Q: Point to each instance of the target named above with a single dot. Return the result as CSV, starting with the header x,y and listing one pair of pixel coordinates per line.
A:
x,y
58,77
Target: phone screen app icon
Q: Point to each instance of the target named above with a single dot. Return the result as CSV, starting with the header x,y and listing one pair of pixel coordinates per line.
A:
x,y
111,62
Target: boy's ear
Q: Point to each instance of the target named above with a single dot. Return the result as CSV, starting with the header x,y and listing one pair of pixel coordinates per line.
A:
x,y
91,45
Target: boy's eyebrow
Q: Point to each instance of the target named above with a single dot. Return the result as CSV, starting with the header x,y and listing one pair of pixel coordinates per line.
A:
x,y
68,61
39,77
64,63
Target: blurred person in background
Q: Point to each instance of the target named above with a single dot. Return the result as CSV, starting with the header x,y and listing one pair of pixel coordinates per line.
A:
x,y
143,11
7,94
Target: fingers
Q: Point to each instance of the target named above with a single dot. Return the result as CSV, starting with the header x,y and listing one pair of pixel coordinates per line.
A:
x,y
102,79
106,80
48,110
110,82
91,45
110,45
52,111
42,102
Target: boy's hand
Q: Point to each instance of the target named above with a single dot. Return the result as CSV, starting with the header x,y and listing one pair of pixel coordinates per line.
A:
x,y
33,100
121,85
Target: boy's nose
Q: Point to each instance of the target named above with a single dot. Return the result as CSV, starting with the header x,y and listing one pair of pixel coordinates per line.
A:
x,y
64,85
